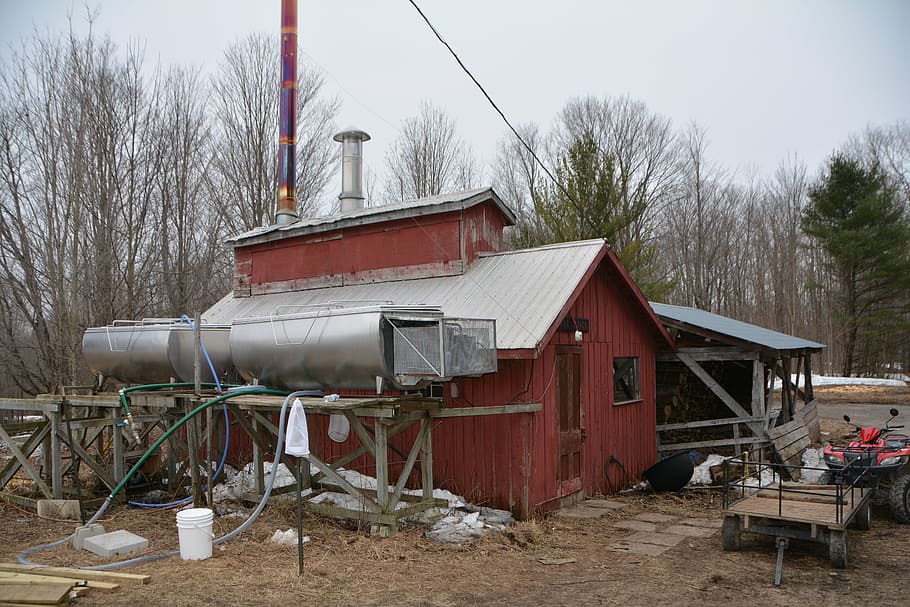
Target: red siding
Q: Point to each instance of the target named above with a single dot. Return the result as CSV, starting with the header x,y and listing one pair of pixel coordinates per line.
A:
x,y
433,245
510,461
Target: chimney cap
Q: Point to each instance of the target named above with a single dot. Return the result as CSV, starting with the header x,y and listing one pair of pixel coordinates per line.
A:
x,y
351,131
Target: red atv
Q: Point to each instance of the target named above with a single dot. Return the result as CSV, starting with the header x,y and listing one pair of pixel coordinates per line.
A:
x,y
886,458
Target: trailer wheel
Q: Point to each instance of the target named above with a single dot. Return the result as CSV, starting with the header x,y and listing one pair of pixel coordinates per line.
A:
x,y
732,532
900,498
863,519
837,548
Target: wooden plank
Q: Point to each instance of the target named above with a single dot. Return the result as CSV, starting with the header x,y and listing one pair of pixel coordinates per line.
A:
x,y
808,415
494,410
795,511
34,594
79,574
90,461
708,423
27,465
718,390
33,578
25,502
31,443
28,404
723,442
710,354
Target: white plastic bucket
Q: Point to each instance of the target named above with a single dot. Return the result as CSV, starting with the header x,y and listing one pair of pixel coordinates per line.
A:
x,y
194,526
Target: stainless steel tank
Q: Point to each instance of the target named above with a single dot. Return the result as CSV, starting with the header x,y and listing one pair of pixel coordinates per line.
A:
x,y
349,348
155,351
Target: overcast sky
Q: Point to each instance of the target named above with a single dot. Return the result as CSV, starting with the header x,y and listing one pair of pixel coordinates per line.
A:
x,y
767,79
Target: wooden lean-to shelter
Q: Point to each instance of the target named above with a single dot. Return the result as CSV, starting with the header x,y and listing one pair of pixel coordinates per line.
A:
x,y
716,391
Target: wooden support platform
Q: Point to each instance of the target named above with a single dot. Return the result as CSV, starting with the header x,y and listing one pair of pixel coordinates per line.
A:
x,y
815,506
390,417
103,444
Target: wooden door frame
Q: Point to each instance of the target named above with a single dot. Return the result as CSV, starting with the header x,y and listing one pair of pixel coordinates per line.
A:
x,y
571,440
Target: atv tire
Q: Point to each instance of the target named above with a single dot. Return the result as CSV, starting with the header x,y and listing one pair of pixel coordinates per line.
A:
x,y
900,498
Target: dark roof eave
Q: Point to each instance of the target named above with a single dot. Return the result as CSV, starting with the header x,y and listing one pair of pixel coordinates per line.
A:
x,y
722,338
376,216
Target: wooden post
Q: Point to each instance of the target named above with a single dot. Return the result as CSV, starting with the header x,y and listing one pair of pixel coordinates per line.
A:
x,y
382,464
808,391
192,441
258,468
209,467
426,457
56,468
117,446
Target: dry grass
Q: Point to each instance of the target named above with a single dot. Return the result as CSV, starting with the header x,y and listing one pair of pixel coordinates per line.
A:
x,y
344,565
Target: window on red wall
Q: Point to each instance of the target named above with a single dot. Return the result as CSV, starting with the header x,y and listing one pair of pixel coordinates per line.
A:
x,y
626,380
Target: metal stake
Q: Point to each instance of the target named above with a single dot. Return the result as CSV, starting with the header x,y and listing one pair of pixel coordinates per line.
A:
x,y
782,544
299,516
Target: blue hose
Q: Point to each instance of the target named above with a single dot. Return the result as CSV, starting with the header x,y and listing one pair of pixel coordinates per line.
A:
x,y
23,557
227,429
186,319
187,500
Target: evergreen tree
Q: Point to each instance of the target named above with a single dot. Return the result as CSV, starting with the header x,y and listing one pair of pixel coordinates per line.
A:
x,y
863,226
590,205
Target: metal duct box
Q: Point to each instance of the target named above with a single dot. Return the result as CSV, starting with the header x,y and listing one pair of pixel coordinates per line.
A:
x,y
155,351
348,348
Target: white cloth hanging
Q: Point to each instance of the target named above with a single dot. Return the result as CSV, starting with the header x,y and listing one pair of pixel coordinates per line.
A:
x,y
297,442
339,427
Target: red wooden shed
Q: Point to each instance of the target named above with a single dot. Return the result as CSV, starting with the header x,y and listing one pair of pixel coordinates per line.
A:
x,y
573,333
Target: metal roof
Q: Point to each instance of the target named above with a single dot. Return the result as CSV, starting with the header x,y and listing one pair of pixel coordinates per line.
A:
x,y
524,291
742,331
400,210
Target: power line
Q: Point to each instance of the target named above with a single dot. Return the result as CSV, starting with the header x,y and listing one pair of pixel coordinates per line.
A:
x,y
496,107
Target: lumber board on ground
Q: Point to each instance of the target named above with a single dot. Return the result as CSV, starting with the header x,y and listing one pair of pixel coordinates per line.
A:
x,y
79,574
34,594
7,577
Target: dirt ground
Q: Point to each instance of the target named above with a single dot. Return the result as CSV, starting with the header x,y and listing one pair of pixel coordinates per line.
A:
x,y
346,566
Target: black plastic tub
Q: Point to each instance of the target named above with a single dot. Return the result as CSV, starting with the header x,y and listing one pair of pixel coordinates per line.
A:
x,y
672,473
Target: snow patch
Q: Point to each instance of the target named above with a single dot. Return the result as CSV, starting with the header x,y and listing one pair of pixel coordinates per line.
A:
x,y
287,538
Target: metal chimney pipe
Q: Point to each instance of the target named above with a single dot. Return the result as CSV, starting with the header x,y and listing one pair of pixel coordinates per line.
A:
x,y
351,196
287,117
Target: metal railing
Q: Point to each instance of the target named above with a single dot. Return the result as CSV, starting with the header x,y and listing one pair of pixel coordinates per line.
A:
x,y
852,482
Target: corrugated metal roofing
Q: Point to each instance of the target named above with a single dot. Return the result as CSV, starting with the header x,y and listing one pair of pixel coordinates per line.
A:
x,y
408,208
523,290
734,328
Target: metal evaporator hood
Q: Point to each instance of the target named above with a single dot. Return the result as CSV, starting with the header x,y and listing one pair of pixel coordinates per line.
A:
x,y
362,348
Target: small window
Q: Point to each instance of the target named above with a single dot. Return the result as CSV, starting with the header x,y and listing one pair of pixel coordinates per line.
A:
x,y
626,383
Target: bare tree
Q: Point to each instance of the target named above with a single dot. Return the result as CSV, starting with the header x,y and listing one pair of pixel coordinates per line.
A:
x,y
519,180
704,226
428,158
244,176
193,262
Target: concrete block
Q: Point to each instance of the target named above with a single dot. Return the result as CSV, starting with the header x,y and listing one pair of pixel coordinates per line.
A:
x,y
87,531
661,539
59,509
580,511
638,548
634,525
655,517
605,504
711,523
689,530
115,542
